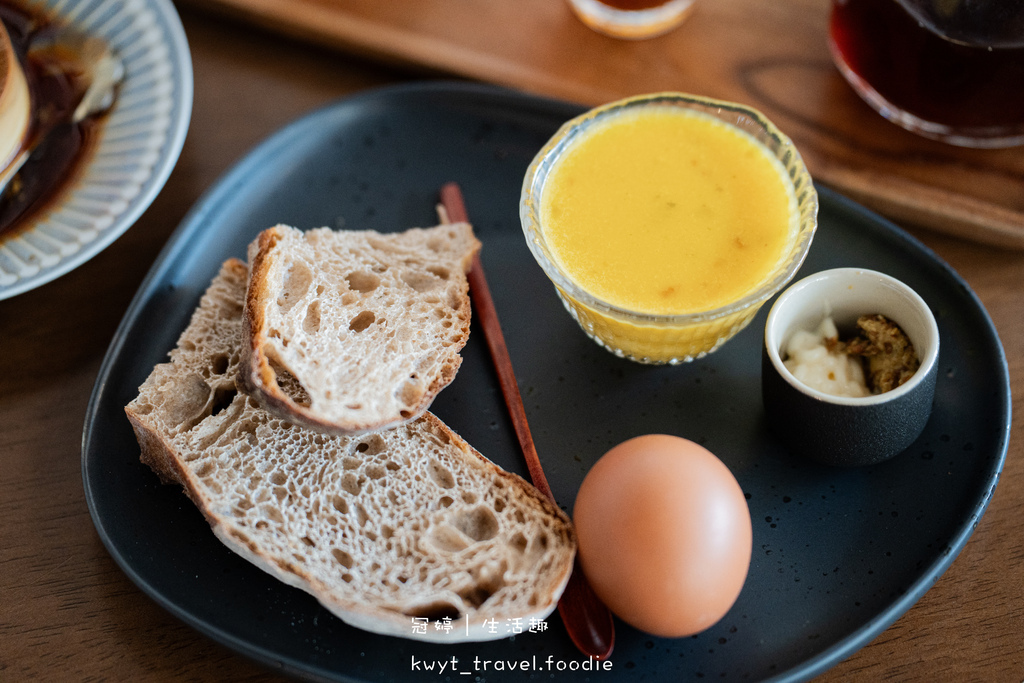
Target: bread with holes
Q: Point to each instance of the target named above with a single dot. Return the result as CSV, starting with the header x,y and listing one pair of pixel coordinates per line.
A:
x,y
382,528
355,331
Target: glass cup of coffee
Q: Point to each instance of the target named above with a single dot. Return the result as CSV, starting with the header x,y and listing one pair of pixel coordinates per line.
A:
x,y
632,19
951,70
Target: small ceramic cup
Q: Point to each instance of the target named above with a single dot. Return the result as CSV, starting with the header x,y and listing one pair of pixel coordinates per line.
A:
x,y
838,430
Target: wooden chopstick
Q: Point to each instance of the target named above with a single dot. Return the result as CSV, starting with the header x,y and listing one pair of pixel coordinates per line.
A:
x,y
586,618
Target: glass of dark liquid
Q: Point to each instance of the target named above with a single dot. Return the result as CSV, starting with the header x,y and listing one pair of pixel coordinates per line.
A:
x,y
952,70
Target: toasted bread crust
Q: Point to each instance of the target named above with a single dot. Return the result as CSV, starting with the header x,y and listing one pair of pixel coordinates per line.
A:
x,y
257,377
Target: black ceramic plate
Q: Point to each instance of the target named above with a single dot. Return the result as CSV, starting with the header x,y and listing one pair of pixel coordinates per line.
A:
x,y
838,554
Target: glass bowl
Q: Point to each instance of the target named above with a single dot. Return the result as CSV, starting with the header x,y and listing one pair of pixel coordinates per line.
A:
x,y
668,339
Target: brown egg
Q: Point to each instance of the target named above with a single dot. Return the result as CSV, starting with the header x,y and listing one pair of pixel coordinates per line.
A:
x,y
664,534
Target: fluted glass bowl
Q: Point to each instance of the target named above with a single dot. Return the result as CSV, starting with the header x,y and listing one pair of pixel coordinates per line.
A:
x,y
667,339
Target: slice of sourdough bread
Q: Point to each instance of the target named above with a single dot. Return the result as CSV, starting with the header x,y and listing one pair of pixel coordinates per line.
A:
x,y
356,331
381,528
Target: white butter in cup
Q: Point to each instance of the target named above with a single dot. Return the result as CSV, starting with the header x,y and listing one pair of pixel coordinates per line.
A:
x,y
809,358
846,294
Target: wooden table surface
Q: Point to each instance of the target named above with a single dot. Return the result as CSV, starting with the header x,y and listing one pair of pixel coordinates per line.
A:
x,y
770,55
68,613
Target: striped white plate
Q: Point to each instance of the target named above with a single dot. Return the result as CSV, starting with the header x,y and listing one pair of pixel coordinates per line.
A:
x,y
140,142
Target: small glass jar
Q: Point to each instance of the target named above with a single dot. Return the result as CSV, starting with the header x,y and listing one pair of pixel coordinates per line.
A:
x,y
632,19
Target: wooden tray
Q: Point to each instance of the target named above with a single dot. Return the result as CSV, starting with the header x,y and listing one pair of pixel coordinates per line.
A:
x,y
771,55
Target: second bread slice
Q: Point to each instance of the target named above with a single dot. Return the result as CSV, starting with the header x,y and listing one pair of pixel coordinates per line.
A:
x,y
389,531
355,331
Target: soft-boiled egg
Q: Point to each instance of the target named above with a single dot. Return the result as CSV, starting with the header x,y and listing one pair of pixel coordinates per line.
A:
x,y
664,534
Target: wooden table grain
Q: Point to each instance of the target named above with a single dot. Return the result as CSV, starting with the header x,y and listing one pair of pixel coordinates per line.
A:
x,y
771,55
68,613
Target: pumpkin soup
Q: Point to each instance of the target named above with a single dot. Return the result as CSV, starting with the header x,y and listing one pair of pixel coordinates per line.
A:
x,y
664,210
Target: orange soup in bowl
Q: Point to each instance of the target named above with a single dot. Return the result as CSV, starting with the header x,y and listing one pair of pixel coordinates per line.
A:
x,y
666,220
668,210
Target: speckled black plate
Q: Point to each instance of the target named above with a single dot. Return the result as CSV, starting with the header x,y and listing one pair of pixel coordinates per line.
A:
x,y
838,554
